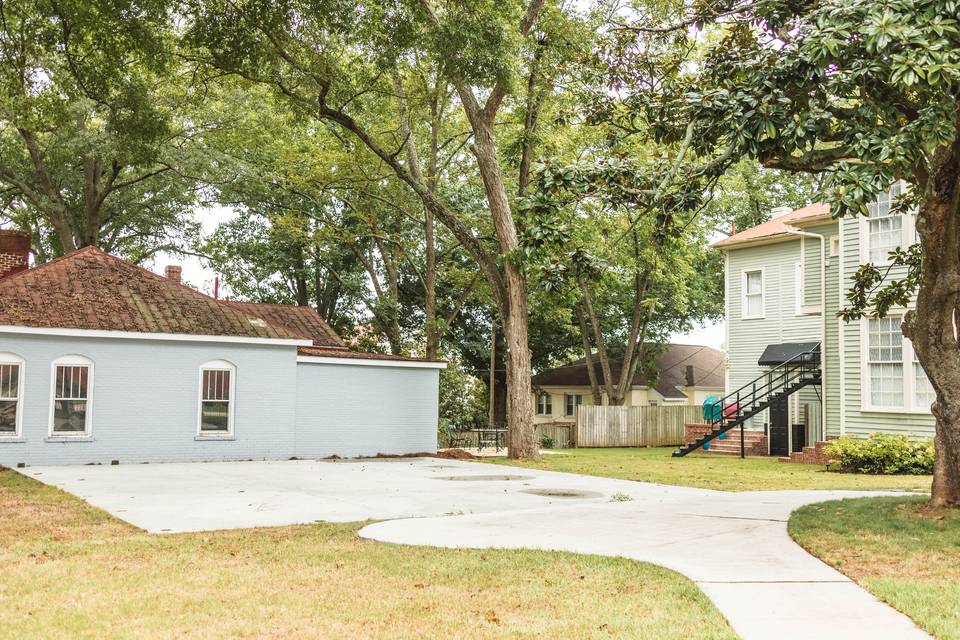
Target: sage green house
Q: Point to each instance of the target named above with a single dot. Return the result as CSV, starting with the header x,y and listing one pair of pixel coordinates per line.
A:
x,y
786,279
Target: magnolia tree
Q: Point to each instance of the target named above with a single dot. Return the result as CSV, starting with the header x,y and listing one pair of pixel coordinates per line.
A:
x,y
864,94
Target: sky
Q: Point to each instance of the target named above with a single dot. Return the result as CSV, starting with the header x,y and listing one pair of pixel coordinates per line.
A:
x,y
198,275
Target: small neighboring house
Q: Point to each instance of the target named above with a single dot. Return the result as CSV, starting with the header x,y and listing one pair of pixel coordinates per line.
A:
x,y
786,279
101,360
688,374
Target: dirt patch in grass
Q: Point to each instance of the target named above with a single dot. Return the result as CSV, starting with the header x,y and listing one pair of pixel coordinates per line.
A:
x,y
897,548
71,571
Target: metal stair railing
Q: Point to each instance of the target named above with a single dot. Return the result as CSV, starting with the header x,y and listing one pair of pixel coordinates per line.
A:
x,y
755,396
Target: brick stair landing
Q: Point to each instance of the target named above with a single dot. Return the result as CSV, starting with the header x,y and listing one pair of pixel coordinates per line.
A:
x,y
809,455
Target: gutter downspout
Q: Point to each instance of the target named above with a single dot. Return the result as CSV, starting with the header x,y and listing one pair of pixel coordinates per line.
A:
x,y
823,324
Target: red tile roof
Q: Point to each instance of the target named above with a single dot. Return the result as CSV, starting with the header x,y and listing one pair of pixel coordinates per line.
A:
x,y
303,321
90,289
773,229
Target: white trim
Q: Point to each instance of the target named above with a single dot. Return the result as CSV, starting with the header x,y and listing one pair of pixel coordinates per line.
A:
x,y
763,293
841,332
9,358
908,379
906,228
371,362
138,335
87,433
800,287
217,365
577,404
549,401
726,324
835,246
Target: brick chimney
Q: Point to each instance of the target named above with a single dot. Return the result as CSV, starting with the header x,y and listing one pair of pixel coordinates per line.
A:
x,y
691,379
173,272
14,251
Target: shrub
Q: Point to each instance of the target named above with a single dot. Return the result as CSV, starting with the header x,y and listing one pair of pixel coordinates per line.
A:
x,y
881,454
546,442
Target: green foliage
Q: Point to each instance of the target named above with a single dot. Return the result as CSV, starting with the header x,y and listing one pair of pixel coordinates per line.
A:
x,y
882,454
546,441
863,93
89,133
462,397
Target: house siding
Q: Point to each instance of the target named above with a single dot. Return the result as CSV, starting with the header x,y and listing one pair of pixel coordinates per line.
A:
x,y
830,352
145,398
858,422
843,388
748,337
337,411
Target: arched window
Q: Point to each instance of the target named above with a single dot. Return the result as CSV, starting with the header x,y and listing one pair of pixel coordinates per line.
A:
x,y
217,380
11,395
71,397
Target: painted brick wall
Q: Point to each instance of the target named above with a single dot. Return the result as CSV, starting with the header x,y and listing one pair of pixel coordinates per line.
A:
x,y
353,410
145,397
146,394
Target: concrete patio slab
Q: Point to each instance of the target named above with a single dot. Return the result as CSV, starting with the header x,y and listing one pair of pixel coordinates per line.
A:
x,y
173,498
735,546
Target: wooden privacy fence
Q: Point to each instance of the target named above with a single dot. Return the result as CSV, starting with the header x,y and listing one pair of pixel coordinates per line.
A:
x,y
560,432
659,426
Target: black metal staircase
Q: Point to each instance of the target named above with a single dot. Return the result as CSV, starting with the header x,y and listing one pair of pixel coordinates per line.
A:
x,y
734,409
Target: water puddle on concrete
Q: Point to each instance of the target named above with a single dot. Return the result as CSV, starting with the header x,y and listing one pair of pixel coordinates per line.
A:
x,y
563,493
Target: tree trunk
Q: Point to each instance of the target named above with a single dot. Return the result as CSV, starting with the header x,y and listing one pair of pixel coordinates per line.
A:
x,y
430,268
588,358
931,328
515,312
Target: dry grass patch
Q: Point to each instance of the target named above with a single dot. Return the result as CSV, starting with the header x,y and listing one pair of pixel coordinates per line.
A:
x,y
72,571
710,471
896,549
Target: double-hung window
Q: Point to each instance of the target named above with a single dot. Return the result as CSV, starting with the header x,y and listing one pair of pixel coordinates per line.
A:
x,y
216,399
884,225
923,393
753,294
11,392
544,404
895,379
885,361
71,398
571,401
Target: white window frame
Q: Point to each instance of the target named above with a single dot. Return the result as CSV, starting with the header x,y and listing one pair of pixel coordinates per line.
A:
x,y
907,228
548,404
800,286
763,293
834,246
217,365
576,404
909,378
72,361
7,358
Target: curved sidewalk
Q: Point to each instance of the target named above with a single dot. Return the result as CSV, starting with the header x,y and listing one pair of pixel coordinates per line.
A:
x,y
735,546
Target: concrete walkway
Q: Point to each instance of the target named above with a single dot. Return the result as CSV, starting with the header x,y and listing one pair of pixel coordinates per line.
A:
x,y
733,545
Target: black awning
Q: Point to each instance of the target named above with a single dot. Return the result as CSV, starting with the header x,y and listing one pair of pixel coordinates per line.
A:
x,y
777,354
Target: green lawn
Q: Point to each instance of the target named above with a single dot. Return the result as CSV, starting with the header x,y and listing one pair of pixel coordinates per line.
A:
x,y
711,471
906,557
68,570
